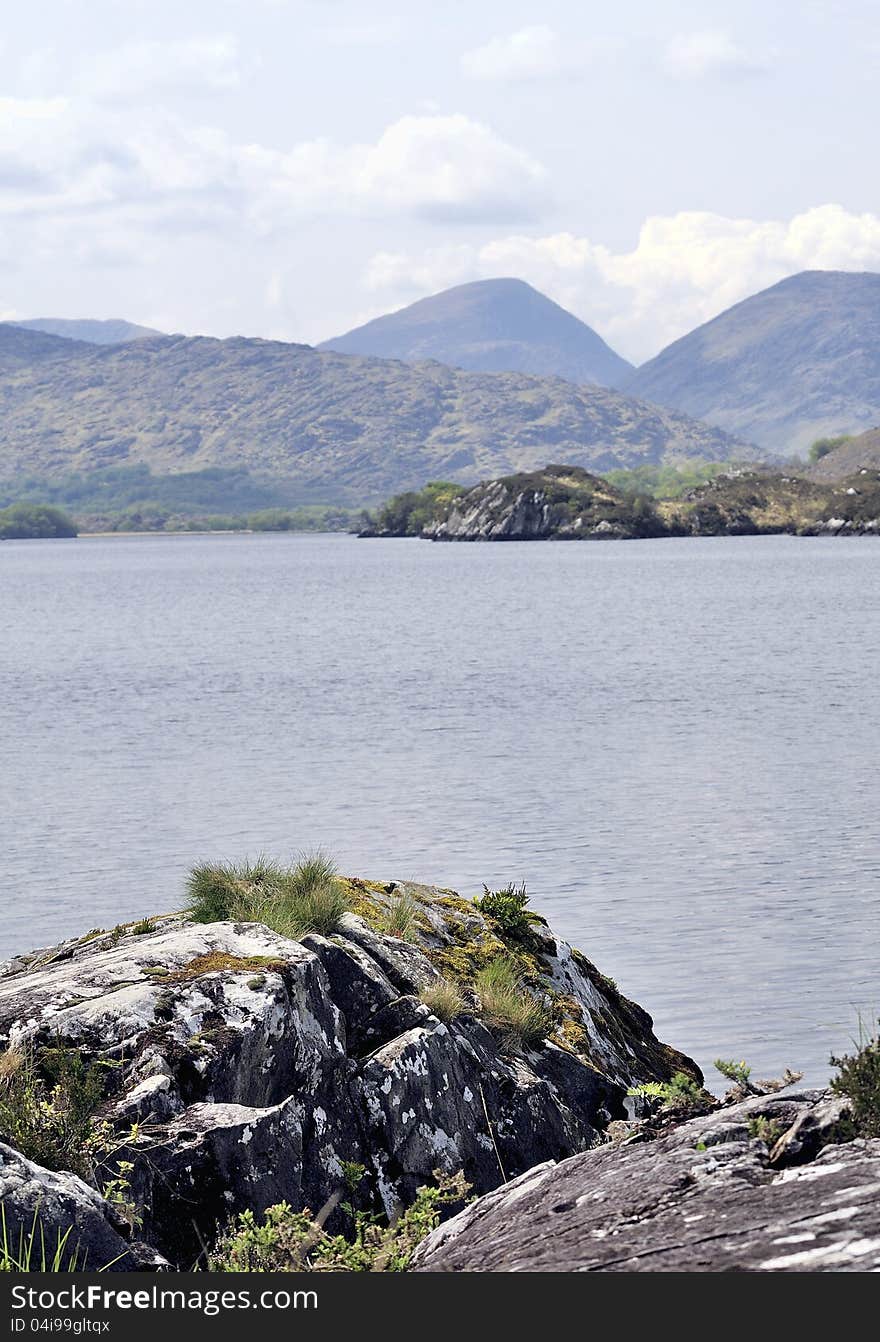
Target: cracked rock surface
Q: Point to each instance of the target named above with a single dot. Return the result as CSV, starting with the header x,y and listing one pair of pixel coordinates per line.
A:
x,y
707,1196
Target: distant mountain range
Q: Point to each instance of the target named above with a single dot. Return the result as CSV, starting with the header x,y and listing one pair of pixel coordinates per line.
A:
x,y
482,380
490,326
339,427
110,332
793,363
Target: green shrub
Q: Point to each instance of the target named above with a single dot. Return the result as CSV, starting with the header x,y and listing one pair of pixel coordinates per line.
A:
x,y
408,514
666,481
859,1080
822,446
444,999
768,1130
680,1093
289,1241
513,1015
737,1072
47,1108
290,900
508,910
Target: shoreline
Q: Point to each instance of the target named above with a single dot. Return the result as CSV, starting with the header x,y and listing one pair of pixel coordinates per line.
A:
x,y
223,531
846,533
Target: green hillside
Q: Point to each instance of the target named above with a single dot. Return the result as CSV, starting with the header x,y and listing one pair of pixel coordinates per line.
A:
x,y
332,428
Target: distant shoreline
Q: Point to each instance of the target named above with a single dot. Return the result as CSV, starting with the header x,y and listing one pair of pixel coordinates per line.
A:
x,y
220,531
724,535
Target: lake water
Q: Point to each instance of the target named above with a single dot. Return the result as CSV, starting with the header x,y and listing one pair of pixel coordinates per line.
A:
x,y
674,743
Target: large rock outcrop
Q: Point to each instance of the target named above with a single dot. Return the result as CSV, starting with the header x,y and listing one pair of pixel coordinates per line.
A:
x,y
565,503
259,1069
711,1195
556,503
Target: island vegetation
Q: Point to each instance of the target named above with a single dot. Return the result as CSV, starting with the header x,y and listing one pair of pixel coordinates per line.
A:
x,y
34,521
658,480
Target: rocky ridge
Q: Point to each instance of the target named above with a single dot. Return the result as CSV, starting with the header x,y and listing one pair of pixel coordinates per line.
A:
x,y
849,458
243,1068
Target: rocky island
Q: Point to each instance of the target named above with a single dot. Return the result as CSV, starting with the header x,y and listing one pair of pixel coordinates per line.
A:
x,y
299,1044
568,503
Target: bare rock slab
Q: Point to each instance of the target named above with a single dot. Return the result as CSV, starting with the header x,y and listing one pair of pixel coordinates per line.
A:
x,y
704,1198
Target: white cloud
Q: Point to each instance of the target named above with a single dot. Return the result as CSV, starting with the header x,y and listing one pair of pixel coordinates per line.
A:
x,y
149,68
443,168
713,52
530,53
684,269
113,180
450,167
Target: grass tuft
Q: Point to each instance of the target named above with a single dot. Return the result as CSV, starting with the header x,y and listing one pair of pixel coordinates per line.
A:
x,y
401,920
290,900
516,1018
444,999
215,889
30,1252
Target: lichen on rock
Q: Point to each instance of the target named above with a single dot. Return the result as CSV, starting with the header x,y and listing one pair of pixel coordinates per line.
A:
x,y
256,1068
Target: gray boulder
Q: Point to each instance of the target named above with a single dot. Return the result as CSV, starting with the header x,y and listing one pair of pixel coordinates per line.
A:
x,y
68,1217
704,1197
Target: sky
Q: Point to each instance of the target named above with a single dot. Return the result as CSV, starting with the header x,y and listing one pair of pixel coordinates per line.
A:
x,y
291,168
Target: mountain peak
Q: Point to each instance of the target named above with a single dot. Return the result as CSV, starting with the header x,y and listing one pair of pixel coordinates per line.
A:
x,y
495,325
795,362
